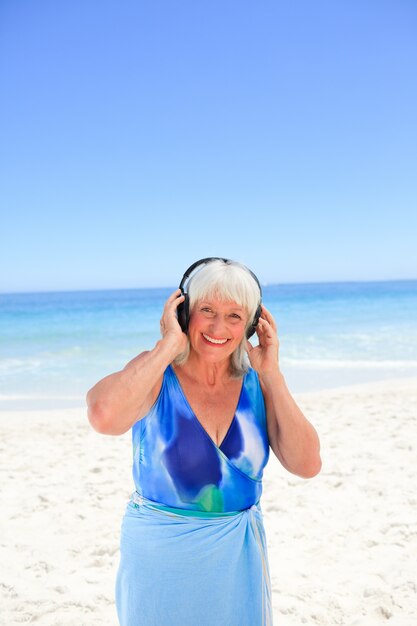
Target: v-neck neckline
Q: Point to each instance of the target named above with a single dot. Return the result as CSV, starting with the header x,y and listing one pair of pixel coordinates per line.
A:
x,y
195,416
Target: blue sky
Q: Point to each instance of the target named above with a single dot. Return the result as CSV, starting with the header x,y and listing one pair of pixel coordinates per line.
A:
x,y
137,137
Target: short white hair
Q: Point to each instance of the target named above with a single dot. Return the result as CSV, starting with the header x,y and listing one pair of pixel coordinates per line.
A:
x,y
230,281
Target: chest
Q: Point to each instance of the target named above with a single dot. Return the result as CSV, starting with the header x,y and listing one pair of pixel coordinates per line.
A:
x,y
214,410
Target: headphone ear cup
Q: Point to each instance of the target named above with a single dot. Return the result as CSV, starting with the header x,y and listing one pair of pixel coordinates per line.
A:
x,y
252,327
250,331
183,313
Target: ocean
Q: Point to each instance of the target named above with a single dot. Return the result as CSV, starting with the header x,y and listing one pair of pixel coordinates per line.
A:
x,y
55,346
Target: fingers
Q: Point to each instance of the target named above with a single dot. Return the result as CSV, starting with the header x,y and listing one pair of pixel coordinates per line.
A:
x,y
263,325
263,328
174,300
175,296
267,316
169,317
266,332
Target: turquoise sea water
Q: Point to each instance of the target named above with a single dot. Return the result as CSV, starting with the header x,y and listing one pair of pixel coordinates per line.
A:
x,y
55,346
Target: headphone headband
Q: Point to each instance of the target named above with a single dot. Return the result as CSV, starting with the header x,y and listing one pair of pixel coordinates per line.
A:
x,y
196,264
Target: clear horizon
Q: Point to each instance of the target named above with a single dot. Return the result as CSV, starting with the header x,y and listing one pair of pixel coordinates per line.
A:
x,y
330,282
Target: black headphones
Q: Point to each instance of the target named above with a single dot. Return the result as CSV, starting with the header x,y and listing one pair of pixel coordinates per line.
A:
x,y
183,310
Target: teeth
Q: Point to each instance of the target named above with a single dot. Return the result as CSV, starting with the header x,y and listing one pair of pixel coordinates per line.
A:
x,y
214,340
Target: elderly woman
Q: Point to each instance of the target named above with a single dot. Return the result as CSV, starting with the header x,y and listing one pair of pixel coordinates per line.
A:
x,y
193,548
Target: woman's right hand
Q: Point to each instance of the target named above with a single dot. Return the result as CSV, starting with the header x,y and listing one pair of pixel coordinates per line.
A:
x,y
170,329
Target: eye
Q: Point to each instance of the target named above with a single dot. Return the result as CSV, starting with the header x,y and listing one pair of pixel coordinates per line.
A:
x,y
236,316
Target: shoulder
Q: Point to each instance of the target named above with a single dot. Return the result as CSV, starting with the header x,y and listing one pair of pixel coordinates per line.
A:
x,y
251,376
252,384
137,359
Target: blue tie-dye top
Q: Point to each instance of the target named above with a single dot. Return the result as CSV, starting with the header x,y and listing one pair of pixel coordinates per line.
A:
x,y
176,462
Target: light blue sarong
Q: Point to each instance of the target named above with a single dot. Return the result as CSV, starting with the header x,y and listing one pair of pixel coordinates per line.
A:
x,y
182,568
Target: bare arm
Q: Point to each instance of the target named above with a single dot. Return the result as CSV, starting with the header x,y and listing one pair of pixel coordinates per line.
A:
x,y
119,400
292,438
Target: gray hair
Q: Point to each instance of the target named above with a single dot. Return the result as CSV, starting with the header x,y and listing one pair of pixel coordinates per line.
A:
x,y
229,281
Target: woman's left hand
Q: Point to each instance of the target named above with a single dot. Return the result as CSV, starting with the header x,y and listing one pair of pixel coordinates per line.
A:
x,y
264,357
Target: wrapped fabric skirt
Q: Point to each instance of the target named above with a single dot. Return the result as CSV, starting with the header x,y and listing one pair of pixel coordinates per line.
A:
x,y
183,568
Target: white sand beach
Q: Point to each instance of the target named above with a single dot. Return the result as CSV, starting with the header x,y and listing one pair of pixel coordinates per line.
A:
x,y
342,546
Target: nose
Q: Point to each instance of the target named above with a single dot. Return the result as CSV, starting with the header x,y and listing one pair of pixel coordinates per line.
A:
x,y
218,327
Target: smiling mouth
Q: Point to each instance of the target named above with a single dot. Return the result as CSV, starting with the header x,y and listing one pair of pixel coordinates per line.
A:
x,y
214,341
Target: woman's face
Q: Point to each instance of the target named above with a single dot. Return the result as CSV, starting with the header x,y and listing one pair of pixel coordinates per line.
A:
x,y
216,328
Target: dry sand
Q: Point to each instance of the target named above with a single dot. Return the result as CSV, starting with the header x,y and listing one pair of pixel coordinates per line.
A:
x,y
342,546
